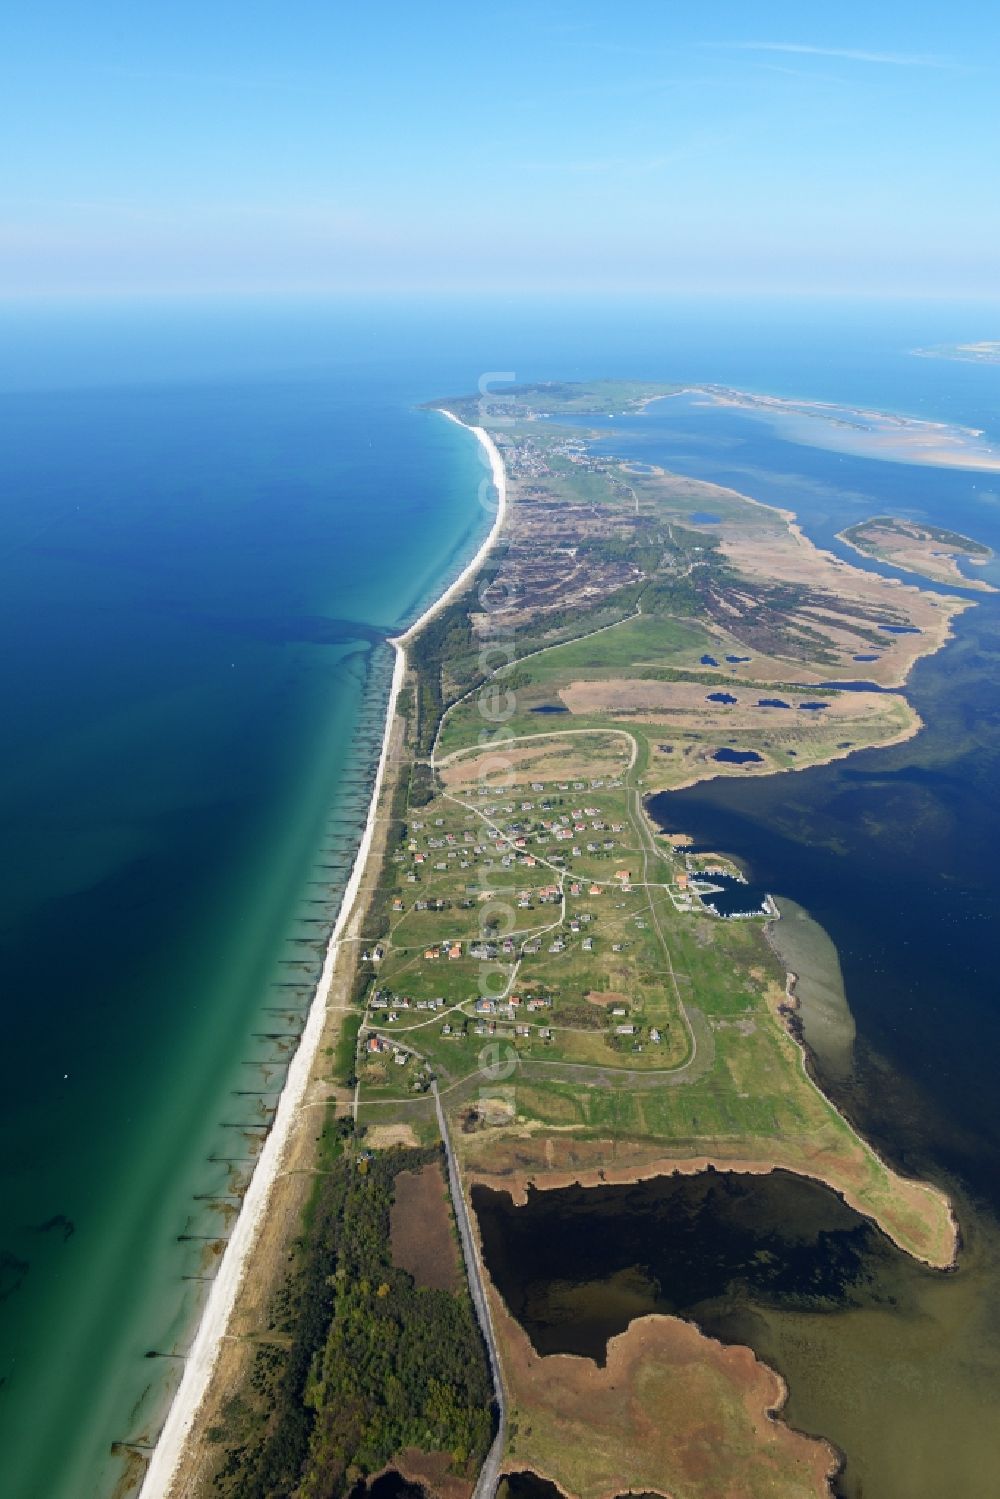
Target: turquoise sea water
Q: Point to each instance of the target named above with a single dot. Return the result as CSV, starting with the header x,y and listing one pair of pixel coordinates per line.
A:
x,y
208,517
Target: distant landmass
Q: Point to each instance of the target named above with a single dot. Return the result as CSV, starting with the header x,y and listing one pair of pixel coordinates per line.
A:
x,y
986,351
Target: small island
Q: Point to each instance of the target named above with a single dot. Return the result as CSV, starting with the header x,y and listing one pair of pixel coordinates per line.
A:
x,y
983,351
920,548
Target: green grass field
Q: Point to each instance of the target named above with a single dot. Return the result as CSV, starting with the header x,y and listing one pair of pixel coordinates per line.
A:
x,y
656,1031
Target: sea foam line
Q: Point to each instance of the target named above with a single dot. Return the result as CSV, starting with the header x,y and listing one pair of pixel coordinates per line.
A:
x,y
204,1352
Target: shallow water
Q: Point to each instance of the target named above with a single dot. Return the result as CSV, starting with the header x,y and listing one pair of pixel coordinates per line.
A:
x,y
823,1013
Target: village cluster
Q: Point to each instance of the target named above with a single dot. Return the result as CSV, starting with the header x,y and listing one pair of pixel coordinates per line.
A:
x,y
537,853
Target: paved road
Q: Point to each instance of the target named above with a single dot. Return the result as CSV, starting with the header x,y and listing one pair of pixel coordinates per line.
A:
x,y
486,1487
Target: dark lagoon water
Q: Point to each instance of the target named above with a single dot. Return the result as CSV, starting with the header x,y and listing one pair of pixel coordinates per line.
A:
x,y
683,1246
526,1486
210,515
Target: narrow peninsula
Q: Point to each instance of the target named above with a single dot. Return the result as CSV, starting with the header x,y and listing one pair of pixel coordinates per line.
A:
x,y
533,989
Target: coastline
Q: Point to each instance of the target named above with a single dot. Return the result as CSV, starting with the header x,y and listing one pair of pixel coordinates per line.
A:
x,y
754,772
202,1357
591,1396
868,432
938,638
788,1011
516,1185
498,475
203,1353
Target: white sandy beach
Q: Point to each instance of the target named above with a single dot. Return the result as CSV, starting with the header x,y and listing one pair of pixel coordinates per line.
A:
x,y
499,477
201,1359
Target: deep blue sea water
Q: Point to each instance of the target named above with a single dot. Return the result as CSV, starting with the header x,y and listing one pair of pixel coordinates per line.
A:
x,y
208,515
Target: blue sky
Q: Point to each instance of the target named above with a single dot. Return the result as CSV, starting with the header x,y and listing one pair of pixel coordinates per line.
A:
x,y
303,147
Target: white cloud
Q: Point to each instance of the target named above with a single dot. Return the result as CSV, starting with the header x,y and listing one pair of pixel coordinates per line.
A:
x,y
852,54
